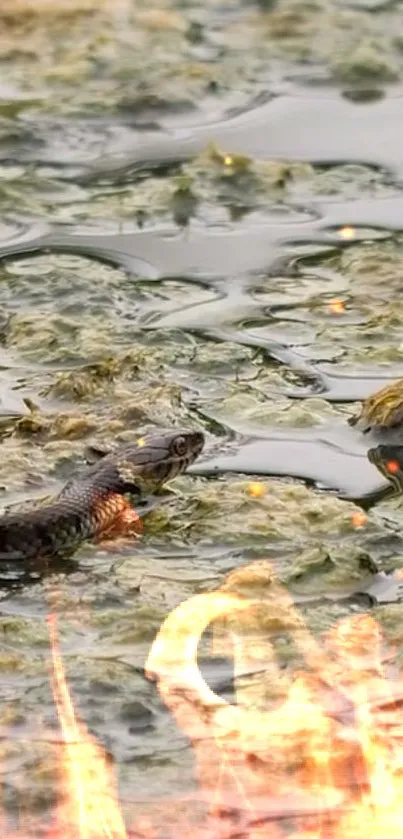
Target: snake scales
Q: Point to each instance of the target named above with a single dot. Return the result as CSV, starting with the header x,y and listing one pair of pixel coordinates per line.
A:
x,y
89,504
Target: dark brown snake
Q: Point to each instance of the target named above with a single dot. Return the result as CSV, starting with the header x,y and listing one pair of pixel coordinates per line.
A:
x,y
88,505
388,459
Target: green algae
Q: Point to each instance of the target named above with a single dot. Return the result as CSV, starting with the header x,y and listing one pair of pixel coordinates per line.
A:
x,y
339,569
263,406
366,328
94,379
216,177
226,511
372,267
366,63
138,625
372,272
348,180
152,52
234,180
19,635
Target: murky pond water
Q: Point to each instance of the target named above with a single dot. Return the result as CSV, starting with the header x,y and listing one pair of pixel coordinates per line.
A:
x,y
201,226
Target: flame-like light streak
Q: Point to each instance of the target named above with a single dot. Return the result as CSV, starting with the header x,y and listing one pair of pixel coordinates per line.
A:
x,y
210,721
349,759
91,809
337,768
379,815
205,717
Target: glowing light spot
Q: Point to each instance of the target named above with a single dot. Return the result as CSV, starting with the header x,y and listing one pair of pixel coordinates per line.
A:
x,y
141,442
393,466
228,160
359,519
347,232
256,489
89,808
337,307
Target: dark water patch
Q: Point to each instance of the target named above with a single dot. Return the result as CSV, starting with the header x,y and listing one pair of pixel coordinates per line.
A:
x,y
15,138
206,254
228,249
329,457
350,386
329,381
164,251
294,127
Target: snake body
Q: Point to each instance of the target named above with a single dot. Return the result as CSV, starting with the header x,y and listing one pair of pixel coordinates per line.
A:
x,y
88,505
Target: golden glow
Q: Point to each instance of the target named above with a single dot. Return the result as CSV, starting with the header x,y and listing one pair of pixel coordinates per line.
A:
x,y
90,808
256,489
359,519
228,160
317,750
331,741
337,307
347,232
141,442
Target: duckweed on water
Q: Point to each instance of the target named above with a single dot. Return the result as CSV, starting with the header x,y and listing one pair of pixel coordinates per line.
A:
x,y
369,61
375,268
262,407
339,568
152,46
23,634
99,378
228,178
223,512
202,183
61,426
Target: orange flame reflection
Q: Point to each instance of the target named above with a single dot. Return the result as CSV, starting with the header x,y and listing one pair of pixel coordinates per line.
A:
x,y
312,754
359,519
393,466
90,809
328,754
337,307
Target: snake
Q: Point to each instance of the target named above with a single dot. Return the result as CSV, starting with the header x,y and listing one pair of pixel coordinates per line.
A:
x,y
388,459
89,505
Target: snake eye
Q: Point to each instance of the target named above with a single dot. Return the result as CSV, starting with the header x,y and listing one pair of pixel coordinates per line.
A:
x,y
179,445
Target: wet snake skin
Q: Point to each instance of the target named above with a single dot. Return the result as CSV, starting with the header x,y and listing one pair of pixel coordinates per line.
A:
x,y
88,505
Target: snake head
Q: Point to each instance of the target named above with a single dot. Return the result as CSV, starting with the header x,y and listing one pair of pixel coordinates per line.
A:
x,y
154,459
389,462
